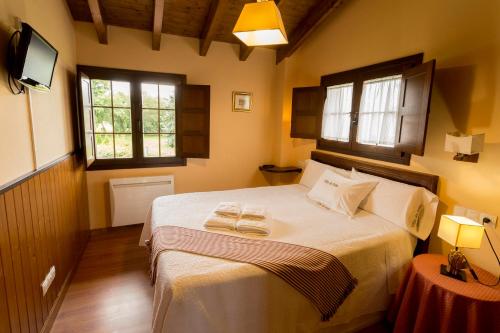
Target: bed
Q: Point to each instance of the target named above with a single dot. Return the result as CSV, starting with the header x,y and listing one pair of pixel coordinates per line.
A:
x,y
195,293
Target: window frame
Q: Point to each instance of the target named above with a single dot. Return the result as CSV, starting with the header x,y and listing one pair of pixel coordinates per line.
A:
x,y
135,78
357,77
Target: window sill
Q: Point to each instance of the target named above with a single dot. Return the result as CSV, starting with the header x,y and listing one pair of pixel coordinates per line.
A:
x,y
111,165
403,159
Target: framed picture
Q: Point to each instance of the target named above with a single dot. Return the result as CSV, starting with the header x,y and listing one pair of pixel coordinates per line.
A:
x,y
242,101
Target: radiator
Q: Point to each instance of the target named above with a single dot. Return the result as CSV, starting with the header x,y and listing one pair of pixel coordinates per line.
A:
x,y
131,198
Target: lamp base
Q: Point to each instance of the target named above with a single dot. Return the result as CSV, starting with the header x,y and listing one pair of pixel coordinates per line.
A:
x,y
458,274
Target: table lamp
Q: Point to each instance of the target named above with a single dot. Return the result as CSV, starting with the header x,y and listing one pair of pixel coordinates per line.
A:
x,y
459,231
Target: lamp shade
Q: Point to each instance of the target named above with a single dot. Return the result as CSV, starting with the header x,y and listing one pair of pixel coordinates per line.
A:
x,y
460,231
468,145
260,24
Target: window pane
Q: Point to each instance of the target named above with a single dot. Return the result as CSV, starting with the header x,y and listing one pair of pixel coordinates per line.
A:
x,y
336,127
121,94
123,145
149,95
167,121
123,122
378,111
150,121
104,146
101,92
337,113
167,97
167,145
103,120
151,145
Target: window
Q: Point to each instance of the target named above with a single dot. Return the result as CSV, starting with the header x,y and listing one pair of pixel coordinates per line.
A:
x,y
130,118
337,112
379,111
158,119
112,119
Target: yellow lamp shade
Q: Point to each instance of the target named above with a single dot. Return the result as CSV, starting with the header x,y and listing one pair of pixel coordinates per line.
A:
x,y
260,24
460,231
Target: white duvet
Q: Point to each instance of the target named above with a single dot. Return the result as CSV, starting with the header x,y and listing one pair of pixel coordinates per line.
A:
x,y
195,294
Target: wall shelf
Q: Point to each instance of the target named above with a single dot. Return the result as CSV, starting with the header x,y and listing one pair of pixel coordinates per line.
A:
x,y
277,169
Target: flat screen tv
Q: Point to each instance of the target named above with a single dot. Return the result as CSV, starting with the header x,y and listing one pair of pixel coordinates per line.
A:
x,y
35,60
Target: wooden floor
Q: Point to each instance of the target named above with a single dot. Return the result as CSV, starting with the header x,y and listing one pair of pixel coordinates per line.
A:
x,y
111,292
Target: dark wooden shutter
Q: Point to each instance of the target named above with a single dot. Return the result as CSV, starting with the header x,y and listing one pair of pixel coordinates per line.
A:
x,y
193,123
86,119
414,109
307,107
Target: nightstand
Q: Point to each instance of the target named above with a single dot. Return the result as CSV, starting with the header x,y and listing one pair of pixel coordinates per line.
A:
x,y
430,302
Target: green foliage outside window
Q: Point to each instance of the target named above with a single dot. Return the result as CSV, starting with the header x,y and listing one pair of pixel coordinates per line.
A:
x,y
113,119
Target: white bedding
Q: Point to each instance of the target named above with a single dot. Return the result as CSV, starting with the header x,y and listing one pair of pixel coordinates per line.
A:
x,y
201,294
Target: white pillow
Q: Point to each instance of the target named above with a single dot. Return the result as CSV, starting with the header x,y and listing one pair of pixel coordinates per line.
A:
x,y
411,207
340,194
314,170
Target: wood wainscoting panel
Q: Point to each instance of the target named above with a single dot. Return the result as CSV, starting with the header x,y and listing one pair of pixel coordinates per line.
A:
x,y
43,223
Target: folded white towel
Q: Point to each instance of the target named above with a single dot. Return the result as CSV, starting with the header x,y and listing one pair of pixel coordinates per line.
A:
x,y
228,209
252,226
254,212
220,222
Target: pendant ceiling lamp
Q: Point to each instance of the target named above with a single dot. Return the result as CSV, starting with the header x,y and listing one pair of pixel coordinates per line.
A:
x,y
260,24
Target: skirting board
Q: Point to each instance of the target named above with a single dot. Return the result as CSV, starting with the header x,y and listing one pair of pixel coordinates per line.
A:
x,y
100,231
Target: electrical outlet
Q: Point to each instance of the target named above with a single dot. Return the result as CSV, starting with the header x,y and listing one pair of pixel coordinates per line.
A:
x,y
493,219
459,210
474,215
49,278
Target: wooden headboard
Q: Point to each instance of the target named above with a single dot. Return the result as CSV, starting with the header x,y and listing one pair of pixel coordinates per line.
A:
x,y
428,181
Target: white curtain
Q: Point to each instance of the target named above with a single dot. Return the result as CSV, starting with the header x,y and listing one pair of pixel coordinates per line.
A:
x,y
378,111
337,113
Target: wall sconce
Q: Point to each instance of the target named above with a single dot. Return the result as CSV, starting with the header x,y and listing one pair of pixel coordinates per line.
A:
x,y
466,147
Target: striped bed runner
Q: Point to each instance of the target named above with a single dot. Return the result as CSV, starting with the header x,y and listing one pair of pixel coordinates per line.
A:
x,y
318,275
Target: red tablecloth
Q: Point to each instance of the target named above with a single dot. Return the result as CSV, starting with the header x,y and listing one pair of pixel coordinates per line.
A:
x,y
429,302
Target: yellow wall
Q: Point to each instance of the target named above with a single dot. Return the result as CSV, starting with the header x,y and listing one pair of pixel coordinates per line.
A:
x,y
51,111
464,37
239,142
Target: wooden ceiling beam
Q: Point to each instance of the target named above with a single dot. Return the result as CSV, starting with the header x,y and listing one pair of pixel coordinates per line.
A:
x,y
158,23
100,27
213,19
246,50
308,24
